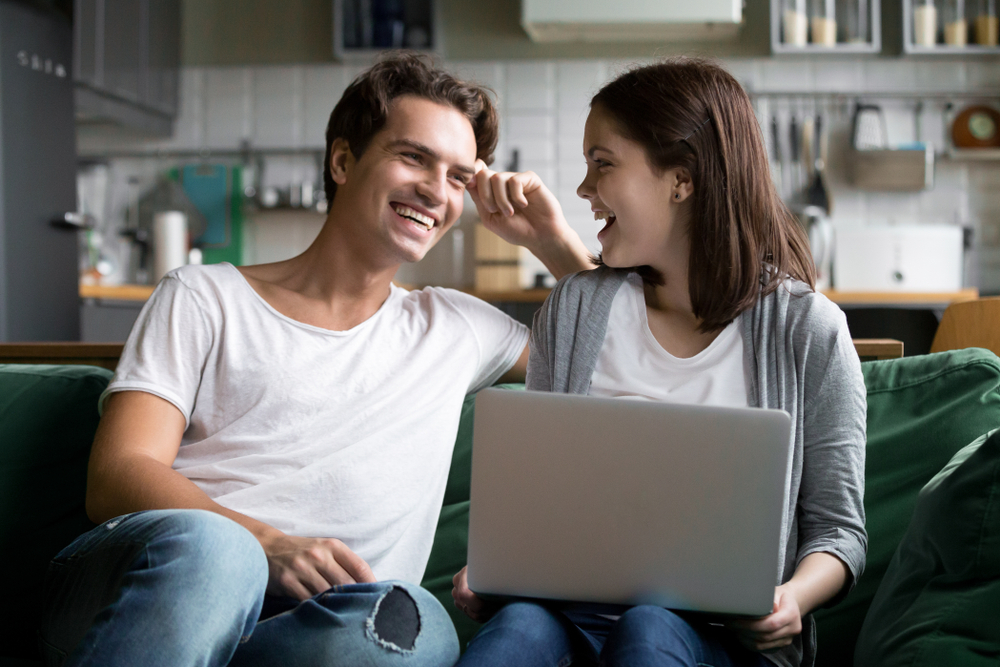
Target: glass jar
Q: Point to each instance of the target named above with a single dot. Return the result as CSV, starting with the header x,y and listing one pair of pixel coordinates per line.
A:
x,y
987,23
794,22
855,20
956,28
823,22
925,23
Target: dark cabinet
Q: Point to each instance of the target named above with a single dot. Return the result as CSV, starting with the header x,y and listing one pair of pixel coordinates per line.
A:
x,y
127,61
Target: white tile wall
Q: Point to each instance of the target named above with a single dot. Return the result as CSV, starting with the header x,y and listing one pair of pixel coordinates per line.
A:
x,y
543,107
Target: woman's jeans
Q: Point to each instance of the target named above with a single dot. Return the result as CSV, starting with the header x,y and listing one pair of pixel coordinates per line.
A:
x,y
531,635
187,587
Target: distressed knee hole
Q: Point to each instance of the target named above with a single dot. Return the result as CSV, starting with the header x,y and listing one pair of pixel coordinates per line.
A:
x,y
395,621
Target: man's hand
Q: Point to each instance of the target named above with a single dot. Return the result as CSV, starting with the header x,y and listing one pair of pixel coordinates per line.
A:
x,y
300,567
518,208
775,630
474,607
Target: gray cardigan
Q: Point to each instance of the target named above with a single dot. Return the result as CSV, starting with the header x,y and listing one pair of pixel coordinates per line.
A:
x,y
798,357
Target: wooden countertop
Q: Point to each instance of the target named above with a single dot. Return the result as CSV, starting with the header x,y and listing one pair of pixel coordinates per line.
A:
x,y
142,292
116,292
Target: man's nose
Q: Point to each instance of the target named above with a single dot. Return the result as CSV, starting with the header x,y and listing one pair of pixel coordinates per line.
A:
x,y
433,187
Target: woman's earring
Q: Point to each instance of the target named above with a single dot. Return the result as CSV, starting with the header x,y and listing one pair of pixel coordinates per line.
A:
x,y
677,196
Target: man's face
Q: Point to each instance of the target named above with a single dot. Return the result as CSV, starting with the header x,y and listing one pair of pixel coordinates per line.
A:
x,y
407,188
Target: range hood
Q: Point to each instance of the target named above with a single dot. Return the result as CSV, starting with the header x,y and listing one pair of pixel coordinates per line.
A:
x,y
631,20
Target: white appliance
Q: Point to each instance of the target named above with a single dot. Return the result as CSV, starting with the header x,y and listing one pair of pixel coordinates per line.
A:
x,y
898,258
630,20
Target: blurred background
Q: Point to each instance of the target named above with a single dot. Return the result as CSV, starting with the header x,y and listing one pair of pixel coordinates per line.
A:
x,y
138,135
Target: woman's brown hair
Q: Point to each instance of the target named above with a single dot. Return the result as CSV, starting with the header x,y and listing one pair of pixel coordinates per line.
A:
x,y
745,242
364,106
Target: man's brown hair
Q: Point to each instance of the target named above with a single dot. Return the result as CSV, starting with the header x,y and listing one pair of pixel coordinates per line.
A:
x,y
691,113
364,106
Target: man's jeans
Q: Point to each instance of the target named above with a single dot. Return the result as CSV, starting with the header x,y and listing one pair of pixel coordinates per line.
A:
x,y
531,635
186,587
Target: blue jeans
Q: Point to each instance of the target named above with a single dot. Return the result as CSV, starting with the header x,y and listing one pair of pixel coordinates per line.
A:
x,y
531,635
187,587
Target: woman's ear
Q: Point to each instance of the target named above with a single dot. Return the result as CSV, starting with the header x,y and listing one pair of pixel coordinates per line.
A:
x,y
682,186
341,160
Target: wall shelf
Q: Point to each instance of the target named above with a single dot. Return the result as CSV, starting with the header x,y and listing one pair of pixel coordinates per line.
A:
x,y
779,46
360,34
910,47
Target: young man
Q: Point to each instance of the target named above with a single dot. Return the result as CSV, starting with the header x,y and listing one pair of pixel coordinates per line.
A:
x,y
274,446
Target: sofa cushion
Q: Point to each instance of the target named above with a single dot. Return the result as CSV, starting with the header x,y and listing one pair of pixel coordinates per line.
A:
x,y
48,415
451,541
938,602
921,411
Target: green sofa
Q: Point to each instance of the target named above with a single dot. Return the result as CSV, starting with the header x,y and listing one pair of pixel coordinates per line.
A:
x,y
922,410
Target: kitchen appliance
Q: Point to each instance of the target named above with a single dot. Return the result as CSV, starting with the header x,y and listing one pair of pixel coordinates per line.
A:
x,y
39,291
898,258
819,229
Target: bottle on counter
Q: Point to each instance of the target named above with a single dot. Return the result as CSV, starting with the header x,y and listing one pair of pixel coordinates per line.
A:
x,y
956,29
924,23
824,22
987,23
795,22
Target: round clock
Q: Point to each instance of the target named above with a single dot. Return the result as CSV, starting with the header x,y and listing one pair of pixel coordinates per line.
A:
x,y
976,127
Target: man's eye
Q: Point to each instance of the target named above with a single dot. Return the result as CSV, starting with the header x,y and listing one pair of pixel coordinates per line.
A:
x,y
412,156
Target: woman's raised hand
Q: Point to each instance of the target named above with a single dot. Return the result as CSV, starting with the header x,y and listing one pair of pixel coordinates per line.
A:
x,y
518,208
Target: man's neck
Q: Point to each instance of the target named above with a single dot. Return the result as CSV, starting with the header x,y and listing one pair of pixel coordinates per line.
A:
x,y
334,284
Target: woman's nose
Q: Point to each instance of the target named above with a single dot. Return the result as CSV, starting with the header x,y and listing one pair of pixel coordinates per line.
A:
x,y
586,188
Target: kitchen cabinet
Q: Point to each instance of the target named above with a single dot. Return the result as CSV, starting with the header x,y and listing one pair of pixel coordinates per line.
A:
x,y
363,28
127,61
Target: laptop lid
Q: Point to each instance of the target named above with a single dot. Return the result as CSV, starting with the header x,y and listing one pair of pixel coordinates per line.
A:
x,y
620,501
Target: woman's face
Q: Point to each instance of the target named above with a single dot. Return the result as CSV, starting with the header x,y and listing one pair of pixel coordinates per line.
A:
x,y
638,204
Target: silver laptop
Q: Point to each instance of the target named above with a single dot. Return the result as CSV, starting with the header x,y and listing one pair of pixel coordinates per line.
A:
x,y
625,502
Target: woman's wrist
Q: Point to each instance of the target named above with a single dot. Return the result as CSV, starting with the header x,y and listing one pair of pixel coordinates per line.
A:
x,y
564,253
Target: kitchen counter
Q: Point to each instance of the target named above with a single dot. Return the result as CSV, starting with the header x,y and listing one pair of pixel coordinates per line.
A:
x,y
915,299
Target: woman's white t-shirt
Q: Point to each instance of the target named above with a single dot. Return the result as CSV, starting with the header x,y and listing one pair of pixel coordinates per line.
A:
x,y
633,364
319,433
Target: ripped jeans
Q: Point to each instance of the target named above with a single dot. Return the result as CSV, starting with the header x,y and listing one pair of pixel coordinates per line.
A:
x,y
175,588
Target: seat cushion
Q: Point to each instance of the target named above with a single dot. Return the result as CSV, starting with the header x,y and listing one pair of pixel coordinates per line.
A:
x,y
451,541
938,603
921,411
48,415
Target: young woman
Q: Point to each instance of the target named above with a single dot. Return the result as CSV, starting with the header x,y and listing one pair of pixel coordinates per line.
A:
x,y
703,295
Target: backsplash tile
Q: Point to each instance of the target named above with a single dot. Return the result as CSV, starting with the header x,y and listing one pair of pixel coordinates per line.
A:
x,y
543,107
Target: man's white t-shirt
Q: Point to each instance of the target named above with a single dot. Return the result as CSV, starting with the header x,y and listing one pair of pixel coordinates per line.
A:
x,y
319,433
633,364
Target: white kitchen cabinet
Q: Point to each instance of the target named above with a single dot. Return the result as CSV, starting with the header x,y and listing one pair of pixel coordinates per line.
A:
x,y
630,20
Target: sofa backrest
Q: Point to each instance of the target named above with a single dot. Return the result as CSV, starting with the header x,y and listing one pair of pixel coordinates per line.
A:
x,y
921,410
48,415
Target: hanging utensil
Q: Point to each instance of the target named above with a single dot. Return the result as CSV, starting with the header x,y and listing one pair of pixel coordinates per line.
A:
x,y
818,193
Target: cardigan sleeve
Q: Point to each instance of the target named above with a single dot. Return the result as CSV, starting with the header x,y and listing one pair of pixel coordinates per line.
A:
x,y
831,513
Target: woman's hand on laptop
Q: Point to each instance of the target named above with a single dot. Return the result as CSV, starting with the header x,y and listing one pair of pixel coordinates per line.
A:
x,y
777,629
476,608
300,567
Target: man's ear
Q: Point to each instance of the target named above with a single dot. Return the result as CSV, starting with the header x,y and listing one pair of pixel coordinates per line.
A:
x,y
341,160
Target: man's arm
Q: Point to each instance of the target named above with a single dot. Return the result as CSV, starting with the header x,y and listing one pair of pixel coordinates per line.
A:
x,y
130,470
519,370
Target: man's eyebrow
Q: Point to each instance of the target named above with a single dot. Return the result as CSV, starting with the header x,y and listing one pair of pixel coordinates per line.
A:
x,y
416,145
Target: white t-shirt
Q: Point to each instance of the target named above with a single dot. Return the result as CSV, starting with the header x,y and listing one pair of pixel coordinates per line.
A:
x,y
319,433
633,364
